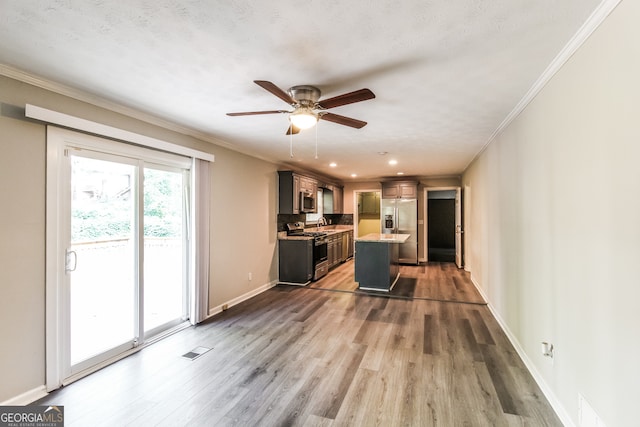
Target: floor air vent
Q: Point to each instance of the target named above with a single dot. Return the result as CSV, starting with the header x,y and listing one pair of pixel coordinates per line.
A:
x,y
196,352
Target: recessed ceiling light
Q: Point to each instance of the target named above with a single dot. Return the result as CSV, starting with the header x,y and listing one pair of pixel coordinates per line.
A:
x,y
393,162
400,173
382,153
333,164
353,175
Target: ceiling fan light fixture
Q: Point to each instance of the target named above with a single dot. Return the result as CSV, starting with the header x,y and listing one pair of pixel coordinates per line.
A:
x,y
303,118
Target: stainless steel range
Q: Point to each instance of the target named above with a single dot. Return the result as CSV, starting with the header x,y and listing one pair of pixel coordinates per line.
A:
x,y
320,261
320,243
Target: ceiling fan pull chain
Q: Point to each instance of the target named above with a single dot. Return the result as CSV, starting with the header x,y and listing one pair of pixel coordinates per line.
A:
x,y
291,140
316,142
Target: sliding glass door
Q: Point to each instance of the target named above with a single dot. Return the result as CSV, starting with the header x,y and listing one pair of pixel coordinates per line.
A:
x,y
126,255
101,265
165,299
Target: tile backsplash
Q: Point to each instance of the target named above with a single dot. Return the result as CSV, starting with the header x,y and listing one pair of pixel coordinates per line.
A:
x,y
339,219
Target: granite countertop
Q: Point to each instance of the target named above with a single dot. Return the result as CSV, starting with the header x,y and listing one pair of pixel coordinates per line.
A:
x,y
384,238
330,229
335,229
285,237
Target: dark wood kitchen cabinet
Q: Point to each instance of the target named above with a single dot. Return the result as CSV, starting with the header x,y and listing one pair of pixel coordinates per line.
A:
x,y
340,247
295,261
332,253
338,202
332,199
345,246
290,185
308,185
350,244
400,190
334,249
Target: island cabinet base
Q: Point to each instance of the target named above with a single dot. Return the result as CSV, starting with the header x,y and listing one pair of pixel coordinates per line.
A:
x,y
376,265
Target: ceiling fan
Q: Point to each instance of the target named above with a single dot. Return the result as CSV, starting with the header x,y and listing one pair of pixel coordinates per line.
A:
x,y
308,109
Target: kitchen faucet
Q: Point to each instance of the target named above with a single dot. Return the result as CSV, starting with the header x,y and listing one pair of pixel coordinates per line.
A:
x,y
321,221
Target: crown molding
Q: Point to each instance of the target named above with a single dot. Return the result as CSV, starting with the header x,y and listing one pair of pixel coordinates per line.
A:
x,y
592,23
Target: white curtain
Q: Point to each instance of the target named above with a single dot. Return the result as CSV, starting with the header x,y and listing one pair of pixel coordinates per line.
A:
x,y
201,198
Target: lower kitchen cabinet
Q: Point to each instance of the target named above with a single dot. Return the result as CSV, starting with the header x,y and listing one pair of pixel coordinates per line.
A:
x,y
295,261
333,253
339,247
296,256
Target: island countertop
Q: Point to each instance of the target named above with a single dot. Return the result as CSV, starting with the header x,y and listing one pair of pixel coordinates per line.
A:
x,y
383,238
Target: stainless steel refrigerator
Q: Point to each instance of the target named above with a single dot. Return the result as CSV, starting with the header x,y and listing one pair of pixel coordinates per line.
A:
x,y
400,216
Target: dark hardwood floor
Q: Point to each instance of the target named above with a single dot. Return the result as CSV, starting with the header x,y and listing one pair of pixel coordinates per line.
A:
x,y
302,356
438,281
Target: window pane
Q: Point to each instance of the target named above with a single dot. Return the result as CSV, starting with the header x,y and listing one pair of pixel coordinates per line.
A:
x,y
163,247
102,294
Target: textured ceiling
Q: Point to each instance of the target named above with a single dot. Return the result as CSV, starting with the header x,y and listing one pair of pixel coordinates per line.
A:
x,y
446,73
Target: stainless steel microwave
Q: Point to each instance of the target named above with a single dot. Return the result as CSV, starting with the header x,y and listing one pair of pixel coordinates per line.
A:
x,y
307,202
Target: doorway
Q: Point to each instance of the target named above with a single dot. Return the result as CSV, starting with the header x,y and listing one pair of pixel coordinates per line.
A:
x,y
367,212
443,228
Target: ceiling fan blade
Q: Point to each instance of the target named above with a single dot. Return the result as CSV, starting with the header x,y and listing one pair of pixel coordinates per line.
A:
x,y
292,130
347,98
270,87
253,113
342,120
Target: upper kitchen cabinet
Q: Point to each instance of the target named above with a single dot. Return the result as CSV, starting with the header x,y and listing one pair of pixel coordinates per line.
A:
x,y
291,188
308,185
332,199
400,190
338,200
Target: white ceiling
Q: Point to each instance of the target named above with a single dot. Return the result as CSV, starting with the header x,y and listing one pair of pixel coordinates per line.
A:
x,y
446,73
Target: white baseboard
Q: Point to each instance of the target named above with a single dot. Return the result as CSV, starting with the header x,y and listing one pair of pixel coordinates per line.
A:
x,y
218,309
27,397
557,406
478,288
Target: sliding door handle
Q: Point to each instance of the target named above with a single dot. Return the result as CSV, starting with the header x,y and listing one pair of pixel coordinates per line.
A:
x,y
69,256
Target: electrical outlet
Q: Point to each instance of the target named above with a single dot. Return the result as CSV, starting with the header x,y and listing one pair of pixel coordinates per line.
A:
x,y
250,276
548,351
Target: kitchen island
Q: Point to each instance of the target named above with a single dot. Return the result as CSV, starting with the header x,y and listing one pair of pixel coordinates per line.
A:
x,y
376,261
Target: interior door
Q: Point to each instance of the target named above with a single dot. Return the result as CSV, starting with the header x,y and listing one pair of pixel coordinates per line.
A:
x,y
459,231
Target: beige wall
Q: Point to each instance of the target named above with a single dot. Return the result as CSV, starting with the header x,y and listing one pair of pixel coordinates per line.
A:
x,y
554,230
242,225
244,234
367,226
22,178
